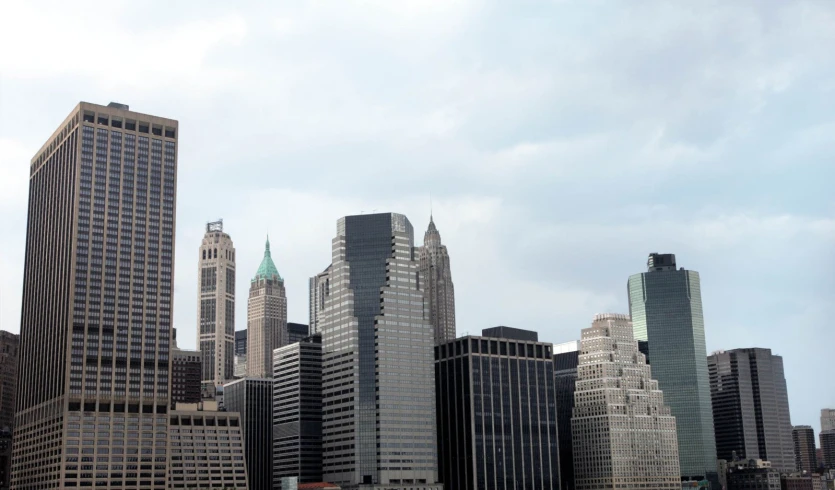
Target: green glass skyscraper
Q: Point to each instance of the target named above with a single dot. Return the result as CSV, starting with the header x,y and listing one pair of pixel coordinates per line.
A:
x,y
666,309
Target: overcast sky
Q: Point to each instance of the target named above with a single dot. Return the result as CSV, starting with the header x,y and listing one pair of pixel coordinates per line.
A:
x,y
561,143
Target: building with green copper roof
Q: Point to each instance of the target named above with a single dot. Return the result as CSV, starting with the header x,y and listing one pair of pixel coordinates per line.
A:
x,y
267,269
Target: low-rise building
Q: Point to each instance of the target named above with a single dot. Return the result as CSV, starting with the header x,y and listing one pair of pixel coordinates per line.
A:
x,y
197,459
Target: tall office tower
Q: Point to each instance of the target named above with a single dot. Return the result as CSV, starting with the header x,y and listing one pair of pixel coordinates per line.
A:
x,y
240,354
566,357
496,414
240,342
216,307
436,281
253,399
827,443
827,419
623,434
266,318
319,289
296,332
198,461
666,309
751,407
96,320
9,343
297,411
377,360
186,368
804,448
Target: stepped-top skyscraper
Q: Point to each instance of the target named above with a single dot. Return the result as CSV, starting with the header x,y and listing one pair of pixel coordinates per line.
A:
x,y
751,407
436,281
95,328
377,368
266,318
216,307
623,434
666,309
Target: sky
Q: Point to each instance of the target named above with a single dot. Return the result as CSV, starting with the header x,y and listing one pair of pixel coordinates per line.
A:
x,y
561,142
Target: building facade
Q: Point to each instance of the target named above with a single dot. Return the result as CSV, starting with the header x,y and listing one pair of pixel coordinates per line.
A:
x,y
665,305
96,319
804,448
624,436
377,367
240,342
9,343
566,359
216,306
252,398
266,318
827,443
297,411
749,475
319,289
198,460
751,407
827,419
436,281
185,376
496,414
296,332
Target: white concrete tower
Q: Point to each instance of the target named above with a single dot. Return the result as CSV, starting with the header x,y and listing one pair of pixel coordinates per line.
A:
x,y
216,308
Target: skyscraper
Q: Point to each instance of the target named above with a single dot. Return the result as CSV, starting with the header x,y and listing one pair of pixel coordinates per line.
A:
x,y
253,399
240,354
9,343
751,407
319,290
666,309
186,367
377,367
827,419
216,307
266,318
827,439
804,448
297,411
296,332
436,281
566,359
496,413
96,321
623,434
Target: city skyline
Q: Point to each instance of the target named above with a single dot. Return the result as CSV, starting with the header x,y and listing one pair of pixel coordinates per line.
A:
x,y
708,165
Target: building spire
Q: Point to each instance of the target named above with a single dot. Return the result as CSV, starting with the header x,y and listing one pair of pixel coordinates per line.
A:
x,y
267,269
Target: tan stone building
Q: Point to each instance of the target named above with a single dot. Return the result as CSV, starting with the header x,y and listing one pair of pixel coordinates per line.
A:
x,y
623,435
95,330
216,308
266,318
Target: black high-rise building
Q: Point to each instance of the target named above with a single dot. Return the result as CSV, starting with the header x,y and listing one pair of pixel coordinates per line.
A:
x,y
253,399
751,407
566,358
496,414
240,342
186,369
297,410
296,332
804,448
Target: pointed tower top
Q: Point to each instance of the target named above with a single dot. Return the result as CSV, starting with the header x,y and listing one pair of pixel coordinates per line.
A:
x,y
267,269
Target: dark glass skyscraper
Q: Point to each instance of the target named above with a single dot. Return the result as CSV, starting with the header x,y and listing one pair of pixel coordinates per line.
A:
x,y
804,448
253,399
379,415
566,358
95,326
751,407
665,305
296,332
496,414
297,411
